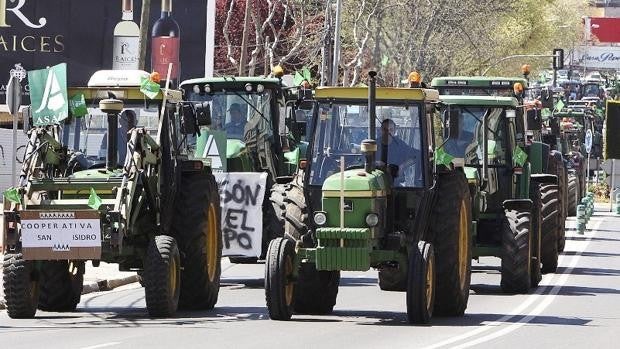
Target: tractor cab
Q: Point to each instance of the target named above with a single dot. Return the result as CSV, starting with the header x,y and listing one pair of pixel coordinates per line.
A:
x,y
254,118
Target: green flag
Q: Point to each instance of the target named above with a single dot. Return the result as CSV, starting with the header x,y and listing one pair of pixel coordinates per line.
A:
x,y
385,60
48,95
519,156
559,105
443,158
94,201
149,88
302,75
77,105
545,113
12,194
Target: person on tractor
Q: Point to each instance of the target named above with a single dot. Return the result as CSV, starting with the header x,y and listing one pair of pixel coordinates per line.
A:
x,y
399,153
237,122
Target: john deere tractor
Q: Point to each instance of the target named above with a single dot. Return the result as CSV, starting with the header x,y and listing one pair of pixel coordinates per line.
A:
x,y
114,183
254,118
384,203
515,204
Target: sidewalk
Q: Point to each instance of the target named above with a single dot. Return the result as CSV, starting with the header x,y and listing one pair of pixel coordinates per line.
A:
x,y
103,278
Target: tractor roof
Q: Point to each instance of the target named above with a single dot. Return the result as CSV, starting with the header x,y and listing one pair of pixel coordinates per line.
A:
x,y
123,93
232,80
491,101
478,81
382,93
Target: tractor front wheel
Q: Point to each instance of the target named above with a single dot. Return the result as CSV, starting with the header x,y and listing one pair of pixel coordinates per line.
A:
x,y
316,291
279,278
421,284
162,276
21,286
61,285
550,227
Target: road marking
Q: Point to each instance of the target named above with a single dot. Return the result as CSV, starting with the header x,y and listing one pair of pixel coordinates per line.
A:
x,y
102,345
547,299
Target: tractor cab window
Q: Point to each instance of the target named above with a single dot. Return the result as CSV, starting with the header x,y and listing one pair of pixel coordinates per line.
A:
x,y
476,91
340,129
239,113
470,141
87,135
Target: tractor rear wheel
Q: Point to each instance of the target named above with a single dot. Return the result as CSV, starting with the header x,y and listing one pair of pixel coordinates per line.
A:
x,y
559,169
549,227
535,242
61,285
289,202
573,194
162,276
279,283
197,228
516,253
21,286
421,284
452,241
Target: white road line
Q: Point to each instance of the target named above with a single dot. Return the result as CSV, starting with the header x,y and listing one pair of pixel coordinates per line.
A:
x,y
102,345
546,301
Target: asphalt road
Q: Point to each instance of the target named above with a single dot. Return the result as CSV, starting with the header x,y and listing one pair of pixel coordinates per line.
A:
x,y
579,307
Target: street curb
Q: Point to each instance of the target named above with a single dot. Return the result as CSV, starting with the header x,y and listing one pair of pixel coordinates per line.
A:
x,y
106,285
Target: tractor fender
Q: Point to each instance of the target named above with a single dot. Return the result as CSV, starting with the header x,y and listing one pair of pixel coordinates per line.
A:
x,y
518,204
545,178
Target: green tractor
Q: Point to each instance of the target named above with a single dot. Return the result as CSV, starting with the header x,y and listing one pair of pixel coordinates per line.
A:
x,y
399,211
116,185
254,123
480,86
515,203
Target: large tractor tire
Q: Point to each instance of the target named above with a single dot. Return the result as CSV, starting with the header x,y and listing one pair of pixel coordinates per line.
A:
x,y
421,284
559,169
21,286
61,285
573,194
316,291
516,253
452,243
279,283
549,227
536,239
198,230
162,276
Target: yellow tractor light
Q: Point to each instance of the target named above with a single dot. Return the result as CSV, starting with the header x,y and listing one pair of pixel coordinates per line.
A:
x,y
414,76
525,69
277,71
518,88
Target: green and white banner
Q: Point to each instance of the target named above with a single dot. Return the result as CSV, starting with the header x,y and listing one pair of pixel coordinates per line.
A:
x,y
48,95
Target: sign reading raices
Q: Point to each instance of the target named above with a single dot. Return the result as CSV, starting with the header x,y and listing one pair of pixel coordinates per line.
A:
x,y
600,57
61,235
241,198
35,34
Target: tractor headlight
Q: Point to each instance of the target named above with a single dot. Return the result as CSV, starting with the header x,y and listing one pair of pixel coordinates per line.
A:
x,y
320,218
372,219
260,88
248,88
208,88
196,89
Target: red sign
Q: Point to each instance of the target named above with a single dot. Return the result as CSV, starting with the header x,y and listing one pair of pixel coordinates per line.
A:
x,y
605,29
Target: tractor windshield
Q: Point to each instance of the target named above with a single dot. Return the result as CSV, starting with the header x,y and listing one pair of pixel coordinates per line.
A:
x,y
235,112
88,134
469,143
340,129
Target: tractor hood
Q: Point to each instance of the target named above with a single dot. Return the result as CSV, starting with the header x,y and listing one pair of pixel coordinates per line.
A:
x,y
357,183
100,173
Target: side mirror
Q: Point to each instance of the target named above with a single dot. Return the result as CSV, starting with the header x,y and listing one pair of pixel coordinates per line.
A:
x,y
546,98
26,115
188,121
453,122
203,114
534,120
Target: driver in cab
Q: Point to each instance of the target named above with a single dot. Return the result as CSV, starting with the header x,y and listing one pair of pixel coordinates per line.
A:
x,y
236,126
398,152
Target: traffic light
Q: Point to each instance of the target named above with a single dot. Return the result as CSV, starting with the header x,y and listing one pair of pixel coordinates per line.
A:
x,y
558,58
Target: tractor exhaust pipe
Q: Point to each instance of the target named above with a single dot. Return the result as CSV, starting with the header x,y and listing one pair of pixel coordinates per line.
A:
x,y
112,107
369,146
